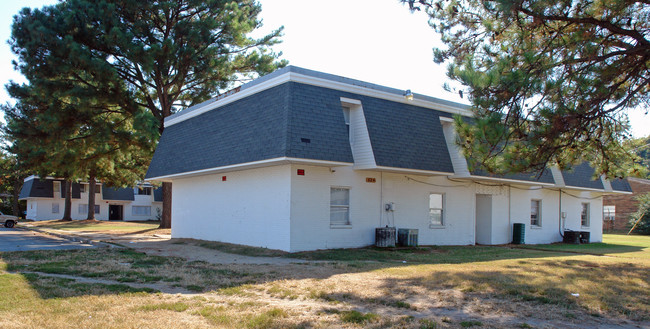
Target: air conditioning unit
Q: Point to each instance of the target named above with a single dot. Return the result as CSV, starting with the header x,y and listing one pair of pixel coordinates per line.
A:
x,y
385,237
407,237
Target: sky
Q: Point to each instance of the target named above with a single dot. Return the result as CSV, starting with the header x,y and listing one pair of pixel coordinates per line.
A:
x,y
377,41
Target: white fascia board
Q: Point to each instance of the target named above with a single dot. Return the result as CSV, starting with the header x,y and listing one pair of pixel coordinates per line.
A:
x,y
309,80
408,171
503,180
248,165
587,189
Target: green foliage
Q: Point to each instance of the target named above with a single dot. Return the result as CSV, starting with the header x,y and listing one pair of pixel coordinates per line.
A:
x,y
358,317
549,81
154,55
643,213
641,148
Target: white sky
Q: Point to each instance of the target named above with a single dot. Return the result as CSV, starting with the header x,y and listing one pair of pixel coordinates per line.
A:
x,y
377,41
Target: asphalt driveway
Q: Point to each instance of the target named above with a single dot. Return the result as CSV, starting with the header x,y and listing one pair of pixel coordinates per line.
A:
x,y
12,239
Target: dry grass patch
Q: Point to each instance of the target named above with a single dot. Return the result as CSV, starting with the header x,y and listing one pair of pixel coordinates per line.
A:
x,y
497,287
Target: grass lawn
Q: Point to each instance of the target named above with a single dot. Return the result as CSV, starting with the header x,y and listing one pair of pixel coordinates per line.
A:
x,y
615,245
432,287
99,226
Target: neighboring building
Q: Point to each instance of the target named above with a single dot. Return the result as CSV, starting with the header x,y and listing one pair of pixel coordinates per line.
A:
x,y
302,160
617,209
45,200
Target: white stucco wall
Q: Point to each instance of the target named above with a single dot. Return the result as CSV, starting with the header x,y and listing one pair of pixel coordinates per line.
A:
x,y
251,207
310,209
274,207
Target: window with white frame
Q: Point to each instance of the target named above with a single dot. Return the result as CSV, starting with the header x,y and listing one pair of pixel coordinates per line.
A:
x,y
584,215
56,187
609,213
536,213
436,209
339,206
83,208
141,210
55,208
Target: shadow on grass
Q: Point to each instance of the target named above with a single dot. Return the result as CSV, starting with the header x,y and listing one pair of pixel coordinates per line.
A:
x,y
532,277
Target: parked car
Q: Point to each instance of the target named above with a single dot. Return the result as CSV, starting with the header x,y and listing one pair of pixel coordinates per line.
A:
x,y
8,220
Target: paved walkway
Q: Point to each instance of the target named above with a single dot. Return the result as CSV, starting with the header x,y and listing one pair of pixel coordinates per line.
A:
x,y
23,240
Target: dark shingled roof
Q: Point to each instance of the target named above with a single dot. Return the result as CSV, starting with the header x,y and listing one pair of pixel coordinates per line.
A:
x,y
582,176
44,188
117,194
251,129
621,185
158,194
277,123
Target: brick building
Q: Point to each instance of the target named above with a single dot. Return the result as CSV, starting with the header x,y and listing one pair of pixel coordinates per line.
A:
x,y
617,209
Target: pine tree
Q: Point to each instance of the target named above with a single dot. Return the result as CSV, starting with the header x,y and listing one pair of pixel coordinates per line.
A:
x,y
170,54
549,81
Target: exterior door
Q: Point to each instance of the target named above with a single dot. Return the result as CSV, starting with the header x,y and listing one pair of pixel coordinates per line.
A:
x,y
115,212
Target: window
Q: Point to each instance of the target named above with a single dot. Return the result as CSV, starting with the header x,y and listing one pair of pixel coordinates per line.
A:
x,y
535,213
55,208
83,208
57,189
609,213
436,201
584,215
83,188
141,210
339,206
144,190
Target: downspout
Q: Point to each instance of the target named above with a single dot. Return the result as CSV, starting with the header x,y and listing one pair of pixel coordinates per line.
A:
x,y
559,222
381,197
509,212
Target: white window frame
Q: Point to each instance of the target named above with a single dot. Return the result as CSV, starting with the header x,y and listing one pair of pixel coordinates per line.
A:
x,y
443,222
55,207
83,209
136,213
609,213
56,187
82,188
340,207
585,216
539,213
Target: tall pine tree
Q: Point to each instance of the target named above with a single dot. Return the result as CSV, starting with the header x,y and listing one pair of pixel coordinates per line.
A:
x,y
171,54
550,81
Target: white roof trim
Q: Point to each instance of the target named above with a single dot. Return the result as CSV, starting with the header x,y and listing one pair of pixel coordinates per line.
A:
x,y
247,165
320,82
410,171
505,180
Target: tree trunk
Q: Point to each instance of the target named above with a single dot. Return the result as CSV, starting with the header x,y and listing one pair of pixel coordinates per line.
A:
x,y
91,196
67,212
166,221
15,196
